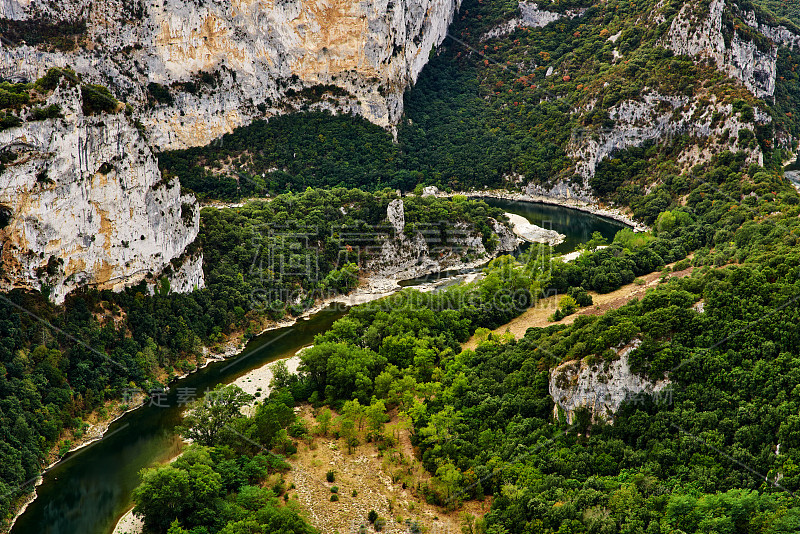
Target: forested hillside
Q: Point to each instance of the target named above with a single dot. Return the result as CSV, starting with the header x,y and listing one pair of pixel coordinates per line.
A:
x,y
783,8
580,96
502,103
525,105
59,363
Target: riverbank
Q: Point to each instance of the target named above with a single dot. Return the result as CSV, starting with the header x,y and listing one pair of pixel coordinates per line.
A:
x,y
129,524
95,432
371,288
594,209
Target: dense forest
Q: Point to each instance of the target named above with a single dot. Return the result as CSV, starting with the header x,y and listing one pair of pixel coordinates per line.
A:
x,y
721,456
222,483
782,8
58,363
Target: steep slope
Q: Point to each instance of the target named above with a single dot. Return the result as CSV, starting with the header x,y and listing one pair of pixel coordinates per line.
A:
x,y
84,204
553,98
581,82
197,70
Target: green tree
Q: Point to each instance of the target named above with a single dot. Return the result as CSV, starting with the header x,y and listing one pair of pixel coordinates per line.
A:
x,y
215,414
270,418
171,493
376,416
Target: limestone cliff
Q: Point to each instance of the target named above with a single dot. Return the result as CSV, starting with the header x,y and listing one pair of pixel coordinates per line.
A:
x,y
740,44
195,70
739,41
601,388
658,117
83,203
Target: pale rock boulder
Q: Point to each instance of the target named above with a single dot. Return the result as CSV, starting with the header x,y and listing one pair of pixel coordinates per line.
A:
x,y
562,190
532,233
85,204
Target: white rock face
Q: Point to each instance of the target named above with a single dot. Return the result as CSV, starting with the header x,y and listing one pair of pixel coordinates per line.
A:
x,y
562,191
189,275
657,117
410,256
258,57
599,389
695,32
87,206
508,240
532,17
396,215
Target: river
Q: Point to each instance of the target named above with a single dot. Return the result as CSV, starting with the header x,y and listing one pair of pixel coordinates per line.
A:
x,y
91,488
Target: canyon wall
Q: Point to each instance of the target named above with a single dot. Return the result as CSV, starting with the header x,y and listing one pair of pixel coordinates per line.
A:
x,y
219,64
83,203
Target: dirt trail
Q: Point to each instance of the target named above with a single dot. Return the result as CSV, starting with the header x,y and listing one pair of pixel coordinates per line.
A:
x,y
537,315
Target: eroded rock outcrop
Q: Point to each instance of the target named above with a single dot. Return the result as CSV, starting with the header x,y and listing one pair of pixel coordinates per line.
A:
x,y
600,388
420,250
741,43
735,40
659,117
508,240
84,204
220,64
531,16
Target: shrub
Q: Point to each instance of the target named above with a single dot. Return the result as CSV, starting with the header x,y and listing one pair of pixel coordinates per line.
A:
x,y
7,120
160,93
97,99
52,111
330,476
